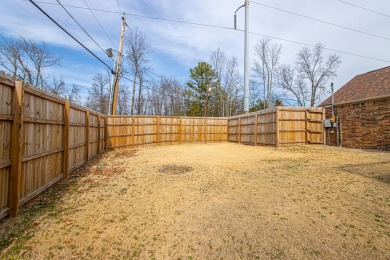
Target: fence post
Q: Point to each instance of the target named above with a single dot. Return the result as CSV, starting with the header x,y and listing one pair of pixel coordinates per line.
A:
x,y
98,135
158,130
277,126
228,129
66,140
256,123
16,148
179,130
239,130
86,149
204,129
105,132
306,130
132,131
323,128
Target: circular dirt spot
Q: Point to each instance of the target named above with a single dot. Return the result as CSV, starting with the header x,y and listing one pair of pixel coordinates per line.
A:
x,y
175,169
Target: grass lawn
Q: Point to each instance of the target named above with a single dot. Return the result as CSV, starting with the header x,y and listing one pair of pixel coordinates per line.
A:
x,y
239,202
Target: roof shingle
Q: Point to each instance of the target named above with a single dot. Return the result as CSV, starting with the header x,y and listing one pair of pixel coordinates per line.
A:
x,y
368,85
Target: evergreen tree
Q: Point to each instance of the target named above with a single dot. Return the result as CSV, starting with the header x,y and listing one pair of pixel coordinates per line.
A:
x,y
203,79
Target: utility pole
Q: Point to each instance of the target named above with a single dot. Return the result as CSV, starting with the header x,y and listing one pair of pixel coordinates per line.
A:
x,y
246,54
118,67
246,59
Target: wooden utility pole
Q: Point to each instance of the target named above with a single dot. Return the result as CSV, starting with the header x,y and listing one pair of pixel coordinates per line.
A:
x,y
118,67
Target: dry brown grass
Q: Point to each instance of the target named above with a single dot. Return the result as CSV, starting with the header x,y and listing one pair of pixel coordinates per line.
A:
x,y
239,202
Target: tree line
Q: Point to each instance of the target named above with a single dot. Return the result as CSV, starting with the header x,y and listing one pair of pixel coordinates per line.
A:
x,y
214,87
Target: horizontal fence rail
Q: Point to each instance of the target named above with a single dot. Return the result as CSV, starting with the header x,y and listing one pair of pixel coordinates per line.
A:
x,y
44,139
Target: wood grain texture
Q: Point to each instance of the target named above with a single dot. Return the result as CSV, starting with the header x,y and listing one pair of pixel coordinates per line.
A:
x,y
139,131
278,126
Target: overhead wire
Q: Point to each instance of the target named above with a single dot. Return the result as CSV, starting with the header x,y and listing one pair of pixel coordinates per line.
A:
x,y
119,8
226,28
322,21
74,19
313,45
157,91
99,23
68,33
364,8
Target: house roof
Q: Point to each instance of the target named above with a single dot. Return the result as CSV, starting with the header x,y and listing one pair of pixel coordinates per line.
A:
x,y
364,86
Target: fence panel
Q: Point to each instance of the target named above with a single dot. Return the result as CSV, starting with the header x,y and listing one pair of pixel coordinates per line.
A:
x,y
315,127
233,127
77,140
216,129
168,130
278,126
292,126
6,118
136,131
42,143
102,135
266,127
93,135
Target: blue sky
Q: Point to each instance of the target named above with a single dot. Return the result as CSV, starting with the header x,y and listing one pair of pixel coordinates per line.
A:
x,y
178,47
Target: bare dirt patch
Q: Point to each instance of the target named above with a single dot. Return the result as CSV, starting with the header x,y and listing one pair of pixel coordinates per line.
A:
x,y
175,169
239,202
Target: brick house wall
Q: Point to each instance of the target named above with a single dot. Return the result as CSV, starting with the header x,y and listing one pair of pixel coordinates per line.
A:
x,y
364,125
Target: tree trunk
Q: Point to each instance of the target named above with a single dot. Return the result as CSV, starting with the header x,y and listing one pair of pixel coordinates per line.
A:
x,y
133,96
139,95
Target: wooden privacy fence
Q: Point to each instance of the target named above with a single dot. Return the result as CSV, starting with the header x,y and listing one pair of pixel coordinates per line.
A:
x,y
42,140
135,131
278,126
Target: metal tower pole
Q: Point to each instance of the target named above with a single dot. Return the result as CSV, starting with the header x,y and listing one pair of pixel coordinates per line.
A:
x,y
246,59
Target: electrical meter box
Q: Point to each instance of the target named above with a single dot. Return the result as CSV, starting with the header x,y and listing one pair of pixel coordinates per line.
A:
x,y
327,123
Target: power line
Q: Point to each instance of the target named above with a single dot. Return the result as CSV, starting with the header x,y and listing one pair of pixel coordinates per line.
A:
x,y
226,28
151,89
119,8
312,45
74,19
364,8
322,21
99,24
62,28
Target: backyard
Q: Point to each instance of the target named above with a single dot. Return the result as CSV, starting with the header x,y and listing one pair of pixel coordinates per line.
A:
x,y
238,202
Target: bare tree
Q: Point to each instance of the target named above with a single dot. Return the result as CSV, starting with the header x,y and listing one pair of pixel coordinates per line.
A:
x,y
13,59
313,68
218,62
10,55
98,94
40,57
292,82
57,87
233,87
137,50
74,94
266,65
123,100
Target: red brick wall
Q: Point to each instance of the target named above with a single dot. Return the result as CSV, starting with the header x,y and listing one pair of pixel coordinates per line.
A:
x,y
365,125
